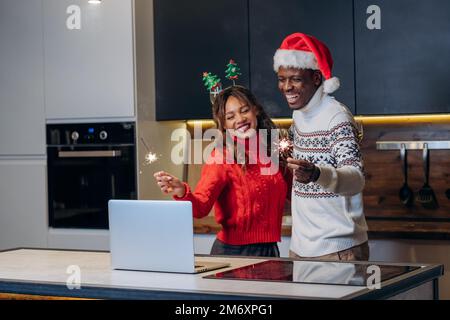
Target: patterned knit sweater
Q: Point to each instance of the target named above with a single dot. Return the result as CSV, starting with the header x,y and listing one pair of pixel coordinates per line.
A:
x,y
327,215
247,204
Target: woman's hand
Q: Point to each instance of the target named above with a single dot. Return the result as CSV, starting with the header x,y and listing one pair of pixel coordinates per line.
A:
x,y
170,184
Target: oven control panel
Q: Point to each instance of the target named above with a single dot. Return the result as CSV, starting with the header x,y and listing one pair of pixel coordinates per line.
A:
x,y
91,133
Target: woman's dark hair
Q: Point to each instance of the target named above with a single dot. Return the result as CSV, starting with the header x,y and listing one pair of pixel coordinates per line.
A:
x,y
247,97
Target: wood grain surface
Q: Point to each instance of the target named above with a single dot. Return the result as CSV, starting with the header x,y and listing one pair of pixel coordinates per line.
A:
x,y
384,178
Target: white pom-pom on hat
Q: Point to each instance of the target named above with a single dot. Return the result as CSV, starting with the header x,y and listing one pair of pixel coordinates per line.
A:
x,y
331,85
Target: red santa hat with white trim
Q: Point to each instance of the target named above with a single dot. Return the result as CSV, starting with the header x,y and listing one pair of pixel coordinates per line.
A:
x,y
303,51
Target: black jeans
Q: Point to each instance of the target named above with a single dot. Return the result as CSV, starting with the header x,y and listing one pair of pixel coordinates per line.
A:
x,y
269,249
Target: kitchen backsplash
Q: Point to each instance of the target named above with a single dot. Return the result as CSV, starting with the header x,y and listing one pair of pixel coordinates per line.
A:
x,y
383,169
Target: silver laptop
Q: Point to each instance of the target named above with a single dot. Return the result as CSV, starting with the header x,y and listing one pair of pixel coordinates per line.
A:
x,y
152,235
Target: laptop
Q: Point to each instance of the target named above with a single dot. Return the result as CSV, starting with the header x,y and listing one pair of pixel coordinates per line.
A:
x,y
149,235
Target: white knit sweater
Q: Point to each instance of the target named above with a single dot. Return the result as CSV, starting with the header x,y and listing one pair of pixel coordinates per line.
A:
x,y
327,215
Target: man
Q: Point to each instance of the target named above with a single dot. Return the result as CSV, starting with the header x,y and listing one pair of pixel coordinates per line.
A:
x,y
327,206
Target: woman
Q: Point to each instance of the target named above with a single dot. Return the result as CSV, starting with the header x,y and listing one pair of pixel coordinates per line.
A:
x,y
248,204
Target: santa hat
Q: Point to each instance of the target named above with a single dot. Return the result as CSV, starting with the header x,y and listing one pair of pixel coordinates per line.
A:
x,y
302,51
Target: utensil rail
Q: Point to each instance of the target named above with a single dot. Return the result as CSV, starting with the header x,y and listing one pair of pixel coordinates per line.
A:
x,y
414,145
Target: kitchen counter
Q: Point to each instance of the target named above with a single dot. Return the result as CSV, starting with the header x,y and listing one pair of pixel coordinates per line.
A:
x,y
50,273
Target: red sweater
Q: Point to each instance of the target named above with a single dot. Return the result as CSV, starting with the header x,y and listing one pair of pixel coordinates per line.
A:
x,y
247,204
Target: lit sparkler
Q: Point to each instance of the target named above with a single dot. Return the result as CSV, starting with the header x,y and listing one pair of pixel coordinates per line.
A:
x,y
285,148
149,157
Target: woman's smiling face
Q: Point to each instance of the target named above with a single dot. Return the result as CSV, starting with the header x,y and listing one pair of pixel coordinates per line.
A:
x,y
240,118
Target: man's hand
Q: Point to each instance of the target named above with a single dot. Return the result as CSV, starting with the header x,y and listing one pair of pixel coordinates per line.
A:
x,y
304,171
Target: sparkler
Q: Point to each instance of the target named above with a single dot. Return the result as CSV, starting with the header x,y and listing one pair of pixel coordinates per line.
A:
x,y
150,157
285,148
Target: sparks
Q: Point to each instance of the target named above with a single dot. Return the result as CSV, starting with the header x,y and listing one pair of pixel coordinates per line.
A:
x,y
285,148
284,144
150,158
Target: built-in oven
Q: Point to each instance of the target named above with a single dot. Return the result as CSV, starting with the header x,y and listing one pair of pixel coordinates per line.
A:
x,y
89,164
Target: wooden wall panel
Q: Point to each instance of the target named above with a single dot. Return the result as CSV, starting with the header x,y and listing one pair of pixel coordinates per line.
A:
x,y
384,176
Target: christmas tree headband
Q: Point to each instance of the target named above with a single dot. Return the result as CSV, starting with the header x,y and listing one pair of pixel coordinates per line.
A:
x,y
213,84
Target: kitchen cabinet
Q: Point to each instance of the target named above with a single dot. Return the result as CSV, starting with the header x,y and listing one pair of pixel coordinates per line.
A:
x,y
23,210
189,40
22,117
89,59
271,21
250,32
391,57
402,68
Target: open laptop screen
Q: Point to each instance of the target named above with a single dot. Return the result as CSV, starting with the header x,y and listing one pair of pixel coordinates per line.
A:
x,y
151,235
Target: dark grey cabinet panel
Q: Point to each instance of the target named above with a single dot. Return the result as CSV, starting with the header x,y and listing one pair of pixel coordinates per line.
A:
x,y
190,38
271,21
403,68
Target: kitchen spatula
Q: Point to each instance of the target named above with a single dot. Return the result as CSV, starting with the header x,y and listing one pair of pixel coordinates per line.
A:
x,y
426,195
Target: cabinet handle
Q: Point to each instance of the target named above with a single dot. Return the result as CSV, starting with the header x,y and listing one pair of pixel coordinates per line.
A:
x,y
90,154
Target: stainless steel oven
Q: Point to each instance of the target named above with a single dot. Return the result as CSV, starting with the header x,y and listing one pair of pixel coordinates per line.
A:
x,y
89,164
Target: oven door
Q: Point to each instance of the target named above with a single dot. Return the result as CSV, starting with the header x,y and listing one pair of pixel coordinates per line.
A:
x,y
81,181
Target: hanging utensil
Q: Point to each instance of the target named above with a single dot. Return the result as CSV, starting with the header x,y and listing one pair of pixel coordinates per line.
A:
x,y
426,195
406,194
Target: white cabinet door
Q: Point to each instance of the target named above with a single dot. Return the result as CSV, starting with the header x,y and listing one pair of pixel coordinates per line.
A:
x,y
23,204
89,54
22,115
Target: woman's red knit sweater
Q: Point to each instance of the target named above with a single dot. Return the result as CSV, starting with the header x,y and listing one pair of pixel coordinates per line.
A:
x,y
248,204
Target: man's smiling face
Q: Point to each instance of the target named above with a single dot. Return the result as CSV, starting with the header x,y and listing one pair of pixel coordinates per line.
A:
x,y
298,85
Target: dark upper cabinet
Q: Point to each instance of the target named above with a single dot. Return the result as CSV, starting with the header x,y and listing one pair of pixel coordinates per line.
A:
x,y
403,67
192,37
272,20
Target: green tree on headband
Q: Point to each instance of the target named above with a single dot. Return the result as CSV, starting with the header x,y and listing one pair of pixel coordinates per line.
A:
x,y
211,81
233,71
